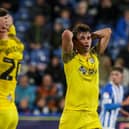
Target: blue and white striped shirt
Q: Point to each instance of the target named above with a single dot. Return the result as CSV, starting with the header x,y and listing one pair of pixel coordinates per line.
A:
x,y
111,98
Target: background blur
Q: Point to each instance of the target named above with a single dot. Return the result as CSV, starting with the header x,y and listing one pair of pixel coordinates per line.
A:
x,y
39,23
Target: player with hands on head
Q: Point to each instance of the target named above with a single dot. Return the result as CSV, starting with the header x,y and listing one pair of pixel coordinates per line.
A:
x,y
81,66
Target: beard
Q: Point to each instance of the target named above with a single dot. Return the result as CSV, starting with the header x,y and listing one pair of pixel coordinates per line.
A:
x,y
83,50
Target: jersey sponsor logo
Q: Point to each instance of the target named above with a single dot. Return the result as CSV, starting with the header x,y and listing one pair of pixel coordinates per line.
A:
x,y
13,49
85,71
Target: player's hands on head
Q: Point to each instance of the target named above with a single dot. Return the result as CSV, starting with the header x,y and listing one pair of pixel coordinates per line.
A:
x,y
94,36
5,23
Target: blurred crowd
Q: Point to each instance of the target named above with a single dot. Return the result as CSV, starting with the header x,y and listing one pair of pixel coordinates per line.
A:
x,y
39,23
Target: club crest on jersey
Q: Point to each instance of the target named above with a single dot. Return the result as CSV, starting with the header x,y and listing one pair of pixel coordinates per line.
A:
x,y
91,60
83,70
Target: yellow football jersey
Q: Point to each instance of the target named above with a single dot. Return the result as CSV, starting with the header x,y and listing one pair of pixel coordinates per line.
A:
x,y
10,56
82,76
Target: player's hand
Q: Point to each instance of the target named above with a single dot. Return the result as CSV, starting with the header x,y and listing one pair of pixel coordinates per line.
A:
x,y
5,23
125,102
95,36
124,113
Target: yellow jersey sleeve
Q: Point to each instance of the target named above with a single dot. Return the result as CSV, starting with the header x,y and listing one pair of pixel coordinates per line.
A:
x,y
12,30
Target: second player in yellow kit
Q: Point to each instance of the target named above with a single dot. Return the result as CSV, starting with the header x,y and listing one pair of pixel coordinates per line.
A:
x,y
11,50
81,67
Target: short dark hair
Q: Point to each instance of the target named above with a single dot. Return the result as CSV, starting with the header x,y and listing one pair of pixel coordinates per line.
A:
x,y
119,69
80,28
3,12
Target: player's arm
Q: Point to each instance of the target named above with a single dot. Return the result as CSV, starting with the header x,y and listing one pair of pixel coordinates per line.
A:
x,y
111,106
106,100
125,102
124,113
67,45
117,105
104,36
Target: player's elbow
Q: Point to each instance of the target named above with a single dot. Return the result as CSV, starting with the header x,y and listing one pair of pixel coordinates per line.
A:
x,y
108,31
67,34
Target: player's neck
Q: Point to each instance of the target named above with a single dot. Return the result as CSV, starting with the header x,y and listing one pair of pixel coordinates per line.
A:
x,y
3,35
116,84
84,54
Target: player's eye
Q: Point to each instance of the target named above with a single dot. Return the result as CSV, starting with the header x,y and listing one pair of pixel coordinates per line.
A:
x,y
88,37
82,37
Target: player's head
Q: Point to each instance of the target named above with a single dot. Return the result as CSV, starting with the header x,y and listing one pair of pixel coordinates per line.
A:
x,y
3,12
116,75
82,38
5,20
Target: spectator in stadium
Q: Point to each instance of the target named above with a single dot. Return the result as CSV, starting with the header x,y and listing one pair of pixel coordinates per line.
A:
x,y
106,15
55,69
58,5
42,7
81,70
123,4
33,74
25,95
41,57
36,34
41,106
81,14
48,90
122,29
65,16
52,105
11,5
105,68
124,55
112,99
56,34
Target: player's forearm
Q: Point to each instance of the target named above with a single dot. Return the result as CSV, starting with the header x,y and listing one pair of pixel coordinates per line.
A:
x,y
67,44
102,33
112,106
104,37
126,102
125,113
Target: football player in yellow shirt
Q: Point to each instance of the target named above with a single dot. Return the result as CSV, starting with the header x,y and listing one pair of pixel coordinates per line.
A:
x,y
11,50
81,66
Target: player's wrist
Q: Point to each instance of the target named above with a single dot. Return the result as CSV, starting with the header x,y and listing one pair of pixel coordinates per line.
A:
x,y
95,35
